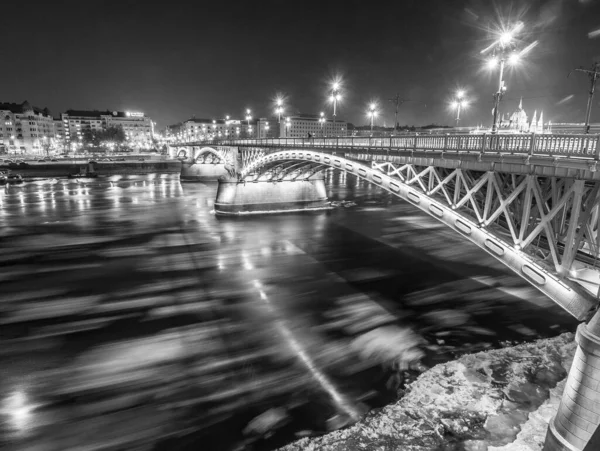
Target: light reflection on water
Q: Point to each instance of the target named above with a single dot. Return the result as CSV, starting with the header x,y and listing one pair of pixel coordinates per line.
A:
x,y
139,317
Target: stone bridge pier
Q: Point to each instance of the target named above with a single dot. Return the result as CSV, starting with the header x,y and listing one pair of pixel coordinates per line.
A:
x,y
236,197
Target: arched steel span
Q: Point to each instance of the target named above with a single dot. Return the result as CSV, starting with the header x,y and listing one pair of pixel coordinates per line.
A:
x,y
201,155
518,220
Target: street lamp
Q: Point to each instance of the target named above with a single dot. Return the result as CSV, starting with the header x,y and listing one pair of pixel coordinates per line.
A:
x,y
248,117
279,109
504,51
322,121
335,97
459,103
372,113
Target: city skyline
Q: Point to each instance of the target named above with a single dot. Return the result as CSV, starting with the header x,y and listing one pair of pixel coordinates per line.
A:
x,y
172,66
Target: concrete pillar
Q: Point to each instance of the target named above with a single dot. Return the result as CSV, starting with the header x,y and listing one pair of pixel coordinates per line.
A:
x,y
199,172
235,198
574,428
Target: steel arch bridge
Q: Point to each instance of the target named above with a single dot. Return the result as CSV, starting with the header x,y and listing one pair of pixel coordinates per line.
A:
x,y
531,202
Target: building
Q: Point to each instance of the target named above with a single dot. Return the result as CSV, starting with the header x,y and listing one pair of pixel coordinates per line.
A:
x,y
518,121
26,129
267,128
59,131
195,129
300,126
138,128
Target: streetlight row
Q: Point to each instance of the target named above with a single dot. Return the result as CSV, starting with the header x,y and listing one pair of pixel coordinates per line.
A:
x,y
503,51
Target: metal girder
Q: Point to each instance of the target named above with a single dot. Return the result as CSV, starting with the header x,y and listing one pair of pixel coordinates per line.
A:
x,y
518,219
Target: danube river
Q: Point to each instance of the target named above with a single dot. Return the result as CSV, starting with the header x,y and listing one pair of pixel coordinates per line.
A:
x,y
133,318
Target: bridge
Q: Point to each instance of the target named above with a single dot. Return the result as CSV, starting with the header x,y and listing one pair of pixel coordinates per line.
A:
x,y
531,201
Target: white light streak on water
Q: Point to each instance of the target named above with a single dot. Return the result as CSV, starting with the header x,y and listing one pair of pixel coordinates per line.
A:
x,y
339,399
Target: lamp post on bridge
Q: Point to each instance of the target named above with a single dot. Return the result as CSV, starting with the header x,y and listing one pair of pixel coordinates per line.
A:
x,y
279,109
288,124
372,113
322,121
503,52
459,103
594,75
248,118
335,97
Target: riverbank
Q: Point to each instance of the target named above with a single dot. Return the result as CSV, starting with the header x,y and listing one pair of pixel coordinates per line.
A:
x,y
498,400
65,168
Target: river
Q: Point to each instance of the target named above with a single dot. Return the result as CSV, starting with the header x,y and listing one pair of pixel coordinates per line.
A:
x,y
133,318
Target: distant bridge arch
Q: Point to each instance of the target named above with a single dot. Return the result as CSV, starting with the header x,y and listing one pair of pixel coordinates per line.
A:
x,y
200,155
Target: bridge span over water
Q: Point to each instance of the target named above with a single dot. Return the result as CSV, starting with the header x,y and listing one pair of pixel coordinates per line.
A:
x,y
531,201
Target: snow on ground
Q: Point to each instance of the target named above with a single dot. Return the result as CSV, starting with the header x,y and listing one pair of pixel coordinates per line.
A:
x,y
498,400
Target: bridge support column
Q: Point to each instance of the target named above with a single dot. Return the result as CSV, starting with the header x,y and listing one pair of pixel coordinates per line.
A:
x,y
201,172
575,426
238,198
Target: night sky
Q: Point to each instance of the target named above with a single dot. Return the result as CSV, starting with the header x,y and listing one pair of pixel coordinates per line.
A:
x,y
174,59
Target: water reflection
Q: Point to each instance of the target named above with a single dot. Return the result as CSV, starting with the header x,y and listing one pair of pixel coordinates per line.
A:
x,y
141,321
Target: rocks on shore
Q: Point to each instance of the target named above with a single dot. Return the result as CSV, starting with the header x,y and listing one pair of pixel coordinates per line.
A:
x,y
479,402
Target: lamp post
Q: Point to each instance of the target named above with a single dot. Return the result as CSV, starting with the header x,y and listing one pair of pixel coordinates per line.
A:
x,y
335,96
459,103
279,109
372,113
248,118
504,52
322,121
594,75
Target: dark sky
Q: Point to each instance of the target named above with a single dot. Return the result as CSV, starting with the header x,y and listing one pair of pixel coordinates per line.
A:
x,y
174,59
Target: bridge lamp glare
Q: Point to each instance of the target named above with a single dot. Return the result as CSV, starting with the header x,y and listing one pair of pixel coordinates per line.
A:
x,y
492,62
514,59
506,38
336,85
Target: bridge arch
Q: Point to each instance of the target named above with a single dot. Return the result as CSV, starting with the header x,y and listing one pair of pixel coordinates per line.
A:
x,y
199,155
439,203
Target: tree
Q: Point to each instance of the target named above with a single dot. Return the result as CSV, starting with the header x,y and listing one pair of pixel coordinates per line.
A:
x,y
101,138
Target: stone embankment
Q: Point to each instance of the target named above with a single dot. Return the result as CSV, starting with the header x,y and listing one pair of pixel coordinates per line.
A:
x,y
64,168
498,400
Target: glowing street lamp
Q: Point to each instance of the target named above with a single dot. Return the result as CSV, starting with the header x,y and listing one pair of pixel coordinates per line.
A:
x,y
504,51
459,103
322,121
372,113
279,109
335,97
248,117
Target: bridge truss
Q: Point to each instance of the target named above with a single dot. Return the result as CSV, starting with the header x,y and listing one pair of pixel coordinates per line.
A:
x,y
543,227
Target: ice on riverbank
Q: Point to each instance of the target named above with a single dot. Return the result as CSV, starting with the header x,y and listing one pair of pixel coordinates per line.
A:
x,y
497,400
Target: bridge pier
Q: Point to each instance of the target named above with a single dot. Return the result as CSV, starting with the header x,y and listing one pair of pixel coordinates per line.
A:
x,y
239,198
191,171
575,426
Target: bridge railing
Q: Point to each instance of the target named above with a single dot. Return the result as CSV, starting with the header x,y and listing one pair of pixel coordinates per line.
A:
x,y
586,146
